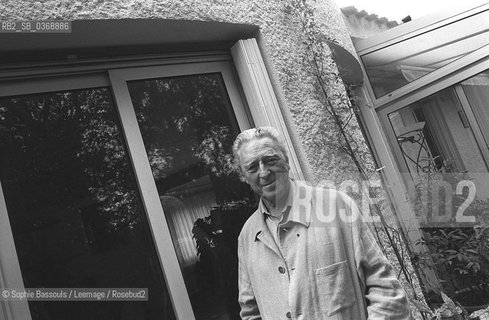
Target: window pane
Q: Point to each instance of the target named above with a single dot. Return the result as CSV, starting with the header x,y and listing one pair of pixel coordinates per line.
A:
x,y
396,65
188,127
75,212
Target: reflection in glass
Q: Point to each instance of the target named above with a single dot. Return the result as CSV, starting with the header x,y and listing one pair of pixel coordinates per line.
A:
x,y
74,210
188,127
396,65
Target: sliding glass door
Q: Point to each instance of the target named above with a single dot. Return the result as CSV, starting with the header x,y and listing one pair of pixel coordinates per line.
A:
x,y
124,180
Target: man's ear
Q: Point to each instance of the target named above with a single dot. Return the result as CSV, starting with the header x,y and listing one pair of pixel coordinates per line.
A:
x,y
287,165
286,158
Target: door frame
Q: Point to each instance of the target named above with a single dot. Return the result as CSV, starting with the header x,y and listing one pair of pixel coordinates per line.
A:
x,y
115,79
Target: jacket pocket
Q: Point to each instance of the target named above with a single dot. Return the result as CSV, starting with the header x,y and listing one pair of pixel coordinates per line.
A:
x,y
334,288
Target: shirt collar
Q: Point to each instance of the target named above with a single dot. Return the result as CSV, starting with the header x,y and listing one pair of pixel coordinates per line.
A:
x,y
299,199
288,202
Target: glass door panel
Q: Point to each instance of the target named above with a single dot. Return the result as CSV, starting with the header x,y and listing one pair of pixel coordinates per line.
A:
x,y
440,144
188,125
73,205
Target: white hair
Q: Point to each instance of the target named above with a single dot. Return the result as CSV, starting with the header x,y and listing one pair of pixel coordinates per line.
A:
x,y
258,133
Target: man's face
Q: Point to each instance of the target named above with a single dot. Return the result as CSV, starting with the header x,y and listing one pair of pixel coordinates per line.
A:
x,y
265,168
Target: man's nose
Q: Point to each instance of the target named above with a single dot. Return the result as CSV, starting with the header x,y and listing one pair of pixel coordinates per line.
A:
x,y
263,170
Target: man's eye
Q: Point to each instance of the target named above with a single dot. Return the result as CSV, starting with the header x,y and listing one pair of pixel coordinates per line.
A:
x,y
271,161
252,168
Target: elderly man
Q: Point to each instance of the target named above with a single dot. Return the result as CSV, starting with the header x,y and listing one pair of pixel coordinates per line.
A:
x,y
306,253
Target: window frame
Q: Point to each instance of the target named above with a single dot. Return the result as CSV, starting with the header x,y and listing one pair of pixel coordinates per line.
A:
x,y
374,111
236,69
142,170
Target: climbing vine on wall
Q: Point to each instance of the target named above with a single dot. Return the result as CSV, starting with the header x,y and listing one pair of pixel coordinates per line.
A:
x,y
328,87
329,91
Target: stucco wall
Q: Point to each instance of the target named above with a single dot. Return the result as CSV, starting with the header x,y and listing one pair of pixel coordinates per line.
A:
x,y
281,42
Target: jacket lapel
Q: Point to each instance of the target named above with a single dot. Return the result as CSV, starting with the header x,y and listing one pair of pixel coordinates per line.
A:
x,y
264,235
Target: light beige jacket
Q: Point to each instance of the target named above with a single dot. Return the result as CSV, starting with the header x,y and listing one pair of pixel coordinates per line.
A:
x,y
329,265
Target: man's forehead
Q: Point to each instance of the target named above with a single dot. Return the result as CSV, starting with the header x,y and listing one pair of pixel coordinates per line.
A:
x,y
256,148
259,144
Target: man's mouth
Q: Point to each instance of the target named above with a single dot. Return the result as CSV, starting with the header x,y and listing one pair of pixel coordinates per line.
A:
x,y
267,183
